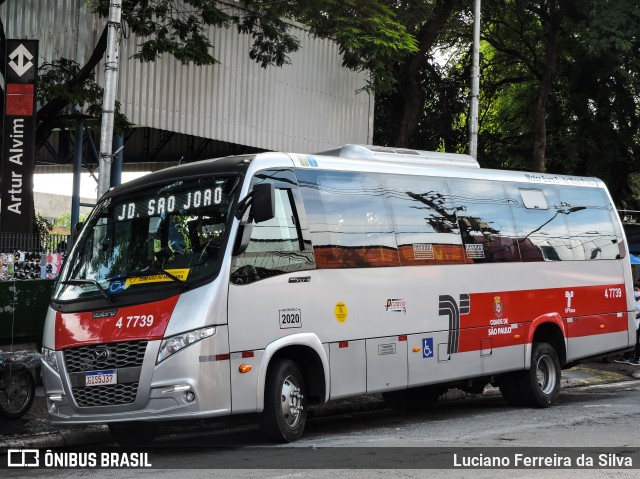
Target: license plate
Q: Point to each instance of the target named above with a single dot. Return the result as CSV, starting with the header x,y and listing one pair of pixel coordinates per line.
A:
x,y
101,378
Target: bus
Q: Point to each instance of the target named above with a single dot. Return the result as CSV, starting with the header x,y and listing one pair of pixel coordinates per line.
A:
x,y
269,282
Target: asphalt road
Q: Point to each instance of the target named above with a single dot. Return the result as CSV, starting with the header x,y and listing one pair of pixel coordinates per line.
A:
x,y
386,443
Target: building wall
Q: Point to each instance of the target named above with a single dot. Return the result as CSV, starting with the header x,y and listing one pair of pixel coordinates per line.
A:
x,y
50,206
307,106
58,24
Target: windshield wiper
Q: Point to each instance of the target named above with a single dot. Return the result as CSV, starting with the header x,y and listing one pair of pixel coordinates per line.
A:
x,y
89,281
146,272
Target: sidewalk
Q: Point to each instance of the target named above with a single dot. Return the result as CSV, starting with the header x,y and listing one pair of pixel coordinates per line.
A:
x,y
35,431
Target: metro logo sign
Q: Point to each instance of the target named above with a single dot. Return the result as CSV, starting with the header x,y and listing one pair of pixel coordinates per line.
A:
x,y
20,60
18,148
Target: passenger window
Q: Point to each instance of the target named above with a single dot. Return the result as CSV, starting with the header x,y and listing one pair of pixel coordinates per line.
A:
x,y
589,217
541,228
485,220
425,222
349,221
277,246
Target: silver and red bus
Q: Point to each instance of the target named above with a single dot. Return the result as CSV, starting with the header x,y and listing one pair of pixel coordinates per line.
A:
x,y
265,283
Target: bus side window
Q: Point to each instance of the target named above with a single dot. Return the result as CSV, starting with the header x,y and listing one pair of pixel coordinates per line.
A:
x,y
349,219
424,220
541,227
485,217
590,220
276,246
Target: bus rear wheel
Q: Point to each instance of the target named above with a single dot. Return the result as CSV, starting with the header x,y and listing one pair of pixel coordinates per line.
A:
x,y
538,386
510,389
285,404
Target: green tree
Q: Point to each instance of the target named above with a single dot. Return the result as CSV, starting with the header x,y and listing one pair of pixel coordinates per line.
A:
x,y
422,86
599,117
525,38
41,225
64,220
590,114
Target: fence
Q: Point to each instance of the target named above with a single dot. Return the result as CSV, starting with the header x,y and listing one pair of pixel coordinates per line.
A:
x,y
31,256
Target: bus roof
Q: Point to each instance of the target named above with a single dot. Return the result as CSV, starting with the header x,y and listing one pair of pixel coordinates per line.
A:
x,y
356,158
403,155
426,163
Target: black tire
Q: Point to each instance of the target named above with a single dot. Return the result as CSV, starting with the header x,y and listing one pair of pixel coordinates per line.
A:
x,y
510,389
17,393
285,403
134,433
540,385
412,398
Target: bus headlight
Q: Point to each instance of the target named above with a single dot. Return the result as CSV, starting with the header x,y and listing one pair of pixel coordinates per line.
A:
x,y
171,345
49,356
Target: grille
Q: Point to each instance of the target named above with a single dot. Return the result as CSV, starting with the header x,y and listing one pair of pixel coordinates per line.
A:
x,y
103,356
105,395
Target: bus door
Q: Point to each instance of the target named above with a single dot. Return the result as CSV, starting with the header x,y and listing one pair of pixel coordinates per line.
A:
x,y
270,284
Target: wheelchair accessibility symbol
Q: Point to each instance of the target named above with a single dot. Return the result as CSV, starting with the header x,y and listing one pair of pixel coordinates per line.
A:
x,y
427,347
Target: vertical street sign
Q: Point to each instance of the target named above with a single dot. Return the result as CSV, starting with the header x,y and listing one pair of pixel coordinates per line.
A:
x,y
18,133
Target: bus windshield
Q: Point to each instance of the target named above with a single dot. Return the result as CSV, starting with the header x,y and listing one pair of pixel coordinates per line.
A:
x,y
172,233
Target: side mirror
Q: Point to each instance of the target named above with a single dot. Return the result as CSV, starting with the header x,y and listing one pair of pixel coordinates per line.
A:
x,y
263,206
243,238
262,201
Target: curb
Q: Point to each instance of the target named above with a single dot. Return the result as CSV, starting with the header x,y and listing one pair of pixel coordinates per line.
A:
x,y
579,376
97,435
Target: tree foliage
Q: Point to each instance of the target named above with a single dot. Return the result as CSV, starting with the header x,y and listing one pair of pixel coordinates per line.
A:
x,y
559,88
560,79
366,32
417,76
591,112
53,84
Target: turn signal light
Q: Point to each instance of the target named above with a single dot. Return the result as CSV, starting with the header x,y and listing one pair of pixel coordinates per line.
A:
x,y
417,350
244,368
516,336
602,326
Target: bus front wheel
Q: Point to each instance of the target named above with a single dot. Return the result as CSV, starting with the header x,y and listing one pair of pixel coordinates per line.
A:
x,y
285,412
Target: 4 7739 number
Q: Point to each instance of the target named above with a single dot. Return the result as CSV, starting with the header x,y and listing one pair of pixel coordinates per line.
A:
x,y
138,321
613,293
290,318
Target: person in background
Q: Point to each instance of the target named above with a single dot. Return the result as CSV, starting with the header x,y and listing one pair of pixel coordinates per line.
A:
x,y
636,359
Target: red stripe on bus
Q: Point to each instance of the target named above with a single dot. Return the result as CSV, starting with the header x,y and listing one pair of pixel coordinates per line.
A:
x,y
138,322
510,318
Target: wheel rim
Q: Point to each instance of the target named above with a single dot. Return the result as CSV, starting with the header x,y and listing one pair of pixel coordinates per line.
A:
x,y
546,375
17,394
291,401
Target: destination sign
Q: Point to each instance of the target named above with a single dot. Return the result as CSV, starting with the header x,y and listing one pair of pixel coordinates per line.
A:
x,y
164,202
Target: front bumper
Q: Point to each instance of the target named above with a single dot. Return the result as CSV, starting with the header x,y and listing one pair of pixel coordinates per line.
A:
x,y
188,385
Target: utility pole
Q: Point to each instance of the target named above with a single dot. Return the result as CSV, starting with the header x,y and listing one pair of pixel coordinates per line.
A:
x,y
475,83
109,98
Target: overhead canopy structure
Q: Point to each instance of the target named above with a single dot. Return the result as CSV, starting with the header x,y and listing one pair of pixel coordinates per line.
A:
x,y
185,113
